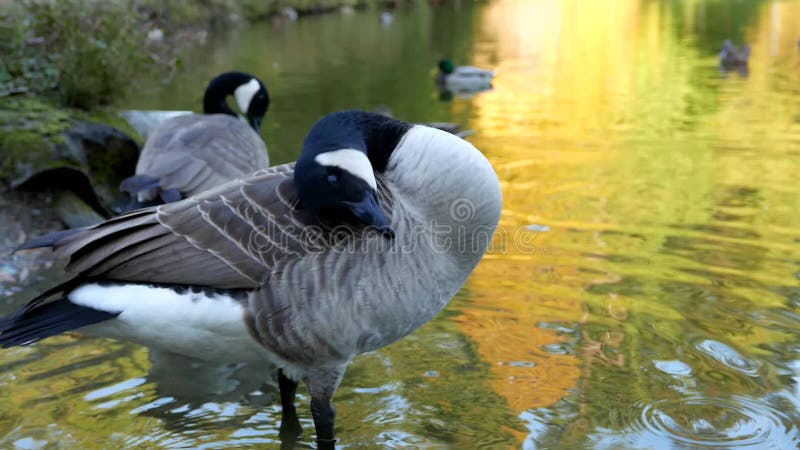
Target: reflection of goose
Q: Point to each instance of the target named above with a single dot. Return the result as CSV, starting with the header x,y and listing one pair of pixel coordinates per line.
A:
x,y
733,58
184,391
452,128
190,380
190,153
255,271
463,78
386,18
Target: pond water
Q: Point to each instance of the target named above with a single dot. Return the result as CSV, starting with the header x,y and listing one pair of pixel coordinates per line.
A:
x,y
643,290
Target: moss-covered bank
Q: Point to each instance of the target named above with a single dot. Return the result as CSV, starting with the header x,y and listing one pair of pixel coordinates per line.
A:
x,y
44,146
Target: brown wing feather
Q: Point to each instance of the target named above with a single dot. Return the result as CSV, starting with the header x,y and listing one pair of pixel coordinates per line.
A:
x,y
228,237
233,236
196,152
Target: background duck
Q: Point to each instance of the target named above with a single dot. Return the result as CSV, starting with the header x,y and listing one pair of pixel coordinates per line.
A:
x,y
190,153
733,58
234,273
463,78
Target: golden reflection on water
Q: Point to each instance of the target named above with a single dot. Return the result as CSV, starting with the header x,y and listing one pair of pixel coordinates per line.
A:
x,y
658,177
667,276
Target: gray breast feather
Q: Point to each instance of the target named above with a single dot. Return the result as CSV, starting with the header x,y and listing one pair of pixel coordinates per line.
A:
x,y
326,307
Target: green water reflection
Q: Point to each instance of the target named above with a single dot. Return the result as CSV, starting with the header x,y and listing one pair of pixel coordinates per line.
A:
x,y
660,310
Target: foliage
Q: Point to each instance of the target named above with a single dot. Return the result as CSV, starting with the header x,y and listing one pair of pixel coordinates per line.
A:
x,y
22,66
174,13
85,49
221,12
96,47
88,51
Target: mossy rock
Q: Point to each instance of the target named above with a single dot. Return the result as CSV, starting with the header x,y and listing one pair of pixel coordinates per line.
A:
x,y
43,147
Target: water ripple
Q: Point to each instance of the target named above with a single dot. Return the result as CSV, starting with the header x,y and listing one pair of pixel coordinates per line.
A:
x,y
706,422
729,357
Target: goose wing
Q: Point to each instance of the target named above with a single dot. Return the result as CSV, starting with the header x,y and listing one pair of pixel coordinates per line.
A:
x,y
197,152
230,237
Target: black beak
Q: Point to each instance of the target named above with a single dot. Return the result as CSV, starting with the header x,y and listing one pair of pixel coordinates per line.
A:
x,y
255,122
369,213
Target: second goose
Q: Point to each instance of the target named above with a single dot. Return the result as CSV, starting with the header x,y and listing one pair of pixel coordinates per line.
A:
x,y
192,153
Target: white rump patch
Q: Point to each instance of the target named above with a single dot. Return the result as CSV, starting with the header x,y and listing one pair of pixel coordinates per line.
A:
x,y
244,94
351,160
198,325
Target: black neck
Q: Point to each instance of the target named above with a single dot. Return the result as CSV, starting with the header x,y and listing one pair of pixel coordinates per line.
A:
x,y
374,134
218,107
214,100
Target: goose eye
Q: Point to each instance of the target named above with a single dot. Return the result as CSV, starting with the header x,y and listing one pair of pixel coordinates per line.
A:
x,y
333,178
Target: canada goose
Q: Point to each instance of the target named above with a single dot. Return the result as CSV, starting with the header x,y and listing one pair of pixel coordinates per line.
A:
x,y
191,153
733,58
360,242
463,78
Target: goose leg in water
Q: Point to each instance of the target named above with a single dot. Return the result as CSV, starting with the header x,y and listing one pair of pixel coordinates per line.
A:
x,y
290,424
322,383
324,417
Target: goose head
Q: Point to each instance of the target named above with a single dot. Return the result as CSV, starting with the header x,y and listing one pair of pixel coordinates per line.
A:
x,y
250,93
335,174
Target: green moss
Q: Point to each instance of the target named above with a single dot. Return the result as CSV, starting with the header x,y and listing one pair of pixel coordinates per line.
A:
x,y
108,164
111,117
30,133
31,116
37,136
13,143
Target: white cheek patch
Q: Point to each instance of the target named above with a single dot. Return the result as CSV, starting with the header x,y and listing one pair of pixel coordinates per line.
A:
x,y
244,94
351,160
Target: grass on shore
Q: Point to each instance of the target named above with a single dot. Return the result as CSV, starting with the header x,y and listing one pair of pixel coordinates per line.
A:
x,y
87,51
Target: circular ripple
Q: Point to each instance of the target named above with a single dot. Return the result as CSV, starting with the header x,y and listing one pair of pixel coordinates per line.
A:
x,y
729,357
702,422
